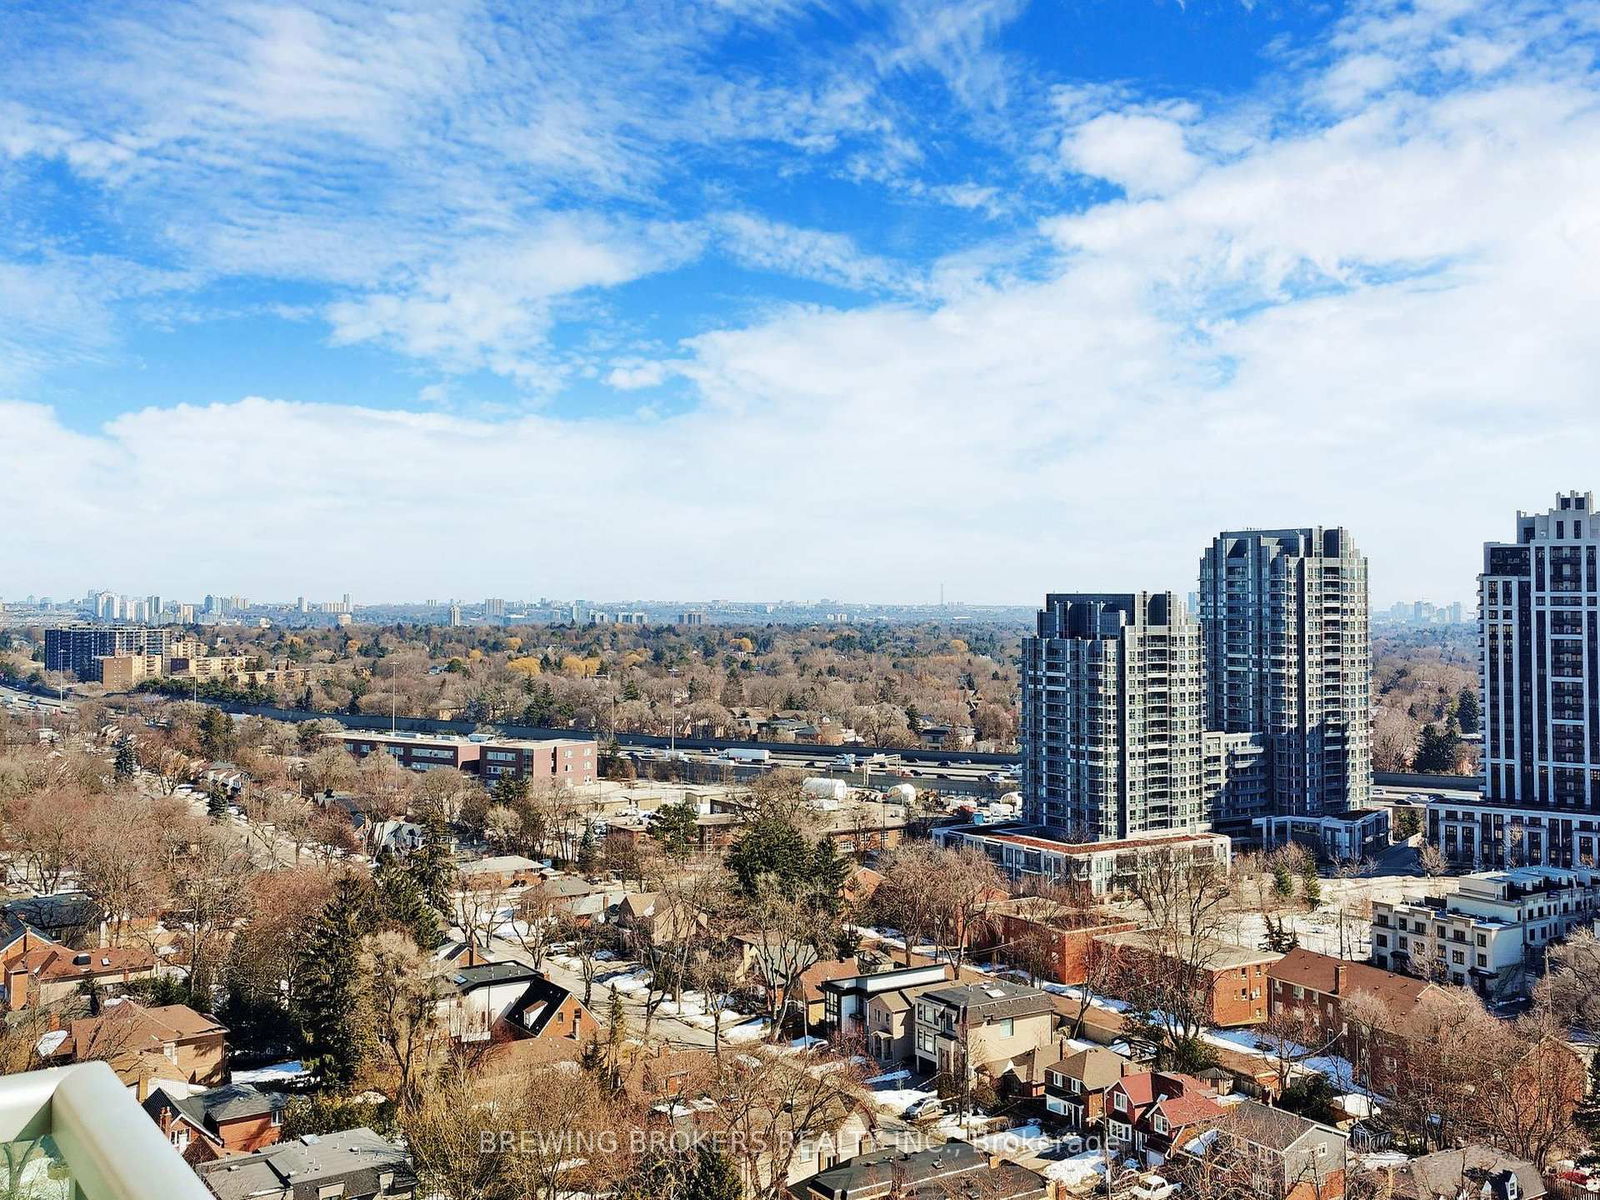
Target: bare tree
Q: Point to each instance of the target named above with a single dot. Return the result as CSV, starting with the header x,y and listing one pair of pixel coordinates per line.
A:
x,y
400,1003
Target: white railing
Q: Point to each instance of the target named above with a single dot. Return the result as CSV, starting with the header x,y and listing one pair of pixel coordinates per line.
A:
x,y
112,1147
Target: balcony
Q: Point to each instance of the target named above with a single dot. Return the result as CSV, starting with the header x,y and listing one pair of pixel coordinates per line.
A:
x,y
83,1136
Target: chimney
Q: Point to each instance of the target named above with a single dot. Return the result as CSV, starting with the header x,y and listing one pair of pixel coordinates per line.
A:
x,y
1338,979
17,988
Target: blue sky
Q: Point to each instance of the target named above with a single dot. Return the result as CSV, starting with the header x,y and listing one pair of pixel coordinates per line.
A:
x,y
785,299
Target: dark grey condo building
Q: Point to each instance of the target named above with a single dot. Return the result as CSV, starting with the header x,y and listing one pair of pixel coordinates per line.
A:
x,y
1539,671
1111,717
76,648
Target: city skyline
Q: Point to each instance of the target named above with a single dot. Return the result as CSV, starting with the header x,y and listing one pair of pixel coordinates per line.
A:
x,y
798,301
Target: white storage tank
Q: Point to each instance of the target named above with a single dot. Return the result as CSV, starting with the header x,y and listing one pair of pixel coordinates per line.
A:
x,y
819,788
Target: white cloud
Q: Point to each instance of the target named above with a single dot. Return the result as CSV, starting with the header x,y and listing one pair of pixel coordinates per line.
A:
x,y
826,257
1373,311
1144,154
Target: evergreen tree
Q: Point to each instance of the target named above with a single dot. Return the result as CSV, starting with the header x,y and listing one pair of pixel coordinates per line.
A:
x,y
124,765
1587,1115
772,846
216,734
1437,749
401,903
1282,880
1279,939
1311,885
675,828
588,853
432,865
712,1176
216,802
1469,715
328,984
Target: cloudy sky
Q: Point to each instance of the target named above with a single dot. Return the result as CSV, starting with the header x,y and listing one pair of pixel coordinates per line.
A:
x,y
767,298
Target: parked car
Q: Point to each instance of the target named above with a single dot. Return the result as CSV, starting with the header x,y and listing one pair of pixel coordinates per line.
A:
x,y
1153,1187
928,1106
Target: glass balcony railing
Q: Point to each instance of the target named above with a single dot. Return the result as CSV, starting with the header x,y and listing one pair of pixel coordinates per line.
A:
x,y
76,1133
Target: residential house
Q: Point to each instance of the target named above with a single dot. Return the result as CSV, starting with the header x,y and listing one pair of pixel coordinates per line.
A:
x,y
1471,1173
1233,977
651,918
1150,1112
811,981
500,873
547,1010
474,1000
1004,1030
845,1001
1075,1085
953,1169
144,1044
354,1164
38,971
1277,1154
67,918
583,899
208,1123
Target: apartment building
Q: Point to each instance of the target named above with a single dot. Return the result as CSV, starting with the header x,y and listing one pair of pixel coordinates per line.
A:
x,y
1232,978
124,672
1489,932
1111,718
1000,1028
1287,653
1539,671
569,761
415,751
1048,937
1101,869
78,648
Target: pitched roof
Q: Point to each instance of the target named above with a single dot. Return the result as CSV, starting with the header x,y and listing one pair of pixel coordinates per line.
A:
x,y
127,1028
1095,1067
1444,1173
539,1001
1188,1110
54,963
1274,1128
1321,973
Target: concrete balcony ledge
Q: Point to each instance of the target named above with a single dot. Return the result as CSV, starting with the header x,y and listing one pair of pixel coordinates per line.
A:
x,y
113,1150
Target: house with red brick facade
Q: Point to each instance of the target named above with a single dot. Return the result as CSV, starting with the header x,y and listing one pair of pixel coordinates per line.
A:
x,y
209,1123
1148,1113
1317,988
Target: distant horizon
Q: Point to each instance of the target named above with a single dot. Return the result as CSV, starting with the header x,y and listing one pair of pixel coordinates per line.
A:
x,y
605,604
